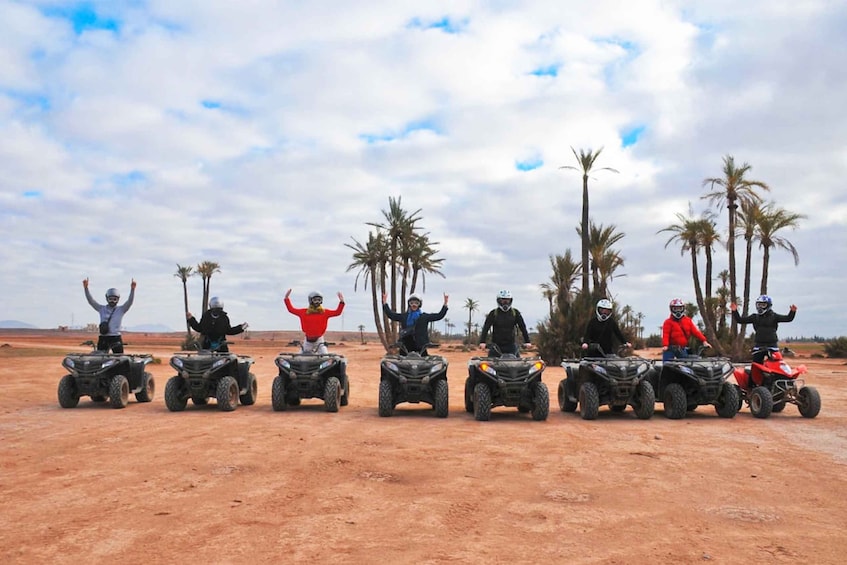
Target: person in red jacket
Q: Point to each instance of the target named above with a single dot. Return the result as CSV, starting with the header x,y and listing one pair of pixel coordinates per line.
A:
x,y
313,321
676,331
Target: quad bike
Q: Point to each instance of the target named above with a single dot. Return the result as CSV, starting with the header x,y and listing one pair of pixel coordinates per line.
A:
x,y
607,379
103,376
412,377
226,377
683,384
307,375
507,380
768,386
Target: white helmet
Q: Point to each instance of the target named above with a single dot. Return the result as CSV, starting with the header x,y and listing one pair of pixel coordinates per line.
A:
x,y
504,300
316,297
113,292
677,307
415,297
604,309
216,302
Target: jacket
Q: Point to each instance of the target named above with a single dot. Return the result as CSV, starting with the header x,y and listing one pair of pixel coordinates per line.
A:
x,y
676,332
765,325
602,333
419,334
314,323
502,325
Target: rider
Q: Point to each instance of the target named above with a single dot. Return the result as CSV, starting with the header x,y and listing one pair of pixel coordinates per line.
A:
x,y
111,317
765,322
601,329
214,326
313,321
677,330
414,330
502,321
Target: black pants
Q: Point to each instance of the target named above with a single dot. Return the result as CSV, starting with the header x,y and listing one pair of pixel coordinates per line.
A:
x,y
113,342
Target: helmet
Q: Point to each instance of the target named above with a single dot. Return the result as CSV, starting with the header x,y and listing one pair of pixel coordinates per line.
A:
x,y
414,298
677,307
216,302
504,300
112,296
604,310
763,304
316,298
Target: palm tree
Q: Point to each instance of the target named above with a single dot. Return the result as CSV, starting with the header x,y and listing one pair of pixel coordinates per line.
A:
x,y
586,160
399,226
604,260
688,234
563,279
182,273
206,269
362,332
422,261
370,258
772,220
732,189
472,306
748,218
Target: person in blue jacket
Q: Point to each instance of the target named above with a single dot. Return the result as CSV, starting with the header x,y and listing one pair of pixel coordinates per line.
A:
x,y
414,323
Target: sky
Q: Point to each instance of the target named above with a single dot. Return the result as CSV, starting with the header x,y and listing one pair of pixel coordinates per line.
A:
x,y
264,135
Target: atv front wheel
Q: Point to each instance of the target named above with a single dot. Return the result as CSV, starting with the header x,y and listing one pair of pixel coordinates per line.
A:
x,y
68,392
589,401
345,395
249,397
675,401
175,396
565,403
278,394
809,402
386,398
728,401
118,392
645,400
540,402
442,398
148,388
482,402
761,402
332,394
227,394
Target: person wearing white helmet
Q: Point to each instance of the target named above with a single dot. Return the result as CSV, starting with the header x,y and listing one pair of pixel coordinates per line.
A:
x,y
765,322
503,321
414,323
601,330
314,321
111,317
214,326
677,331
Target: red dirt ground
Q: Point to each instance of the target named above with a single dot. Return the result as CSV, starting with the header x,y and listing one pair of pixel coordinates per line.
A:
x,y
144,485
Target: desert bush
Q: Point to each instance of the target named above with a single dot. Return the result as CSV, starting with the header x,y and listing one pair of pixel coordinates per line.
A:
x,y
836,347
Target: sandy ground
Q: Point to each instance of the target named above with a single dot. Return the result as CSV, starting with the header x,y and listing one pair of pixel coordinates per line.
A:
x,y
144,485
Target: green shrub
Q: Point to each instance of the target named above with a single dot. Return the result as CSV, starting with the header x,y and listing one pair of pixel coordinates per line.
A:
x,y
836,347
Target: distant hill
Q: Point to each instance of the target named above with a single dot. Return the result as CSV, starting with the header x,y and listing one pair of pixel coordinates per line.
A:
x,y
150,328
16,324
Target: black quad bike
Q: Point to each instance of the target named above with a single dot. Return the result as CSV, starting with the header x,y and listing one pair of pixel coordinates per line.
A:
x,y
411,377
683,384
105,376
307,375
607,379
507,380
226,377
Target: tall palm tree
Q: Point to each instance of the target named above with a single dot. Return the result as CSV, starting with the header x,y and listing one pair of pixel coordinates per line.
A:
x,y
586,161
604,260
182,273
362,332
747,220
563,280
398,226
771,221
370,259
471,306
687,234
422,261
732,189
206,269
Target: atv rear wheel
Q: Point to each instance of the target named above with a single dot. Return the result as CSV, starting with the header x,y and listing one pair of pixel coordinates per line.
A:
x,y
540,402
249,397
175,395
118,392
227,394
468,396
278,394
675,401
809,402
442,398
386,398
332,394
565,403
345,395
728,401
589,401
148,388
68,392
761,402
645,400
482,402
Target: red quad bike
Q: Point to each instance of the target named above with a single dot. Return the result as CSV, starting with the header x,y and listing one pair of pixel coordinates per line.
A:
x,y
768,386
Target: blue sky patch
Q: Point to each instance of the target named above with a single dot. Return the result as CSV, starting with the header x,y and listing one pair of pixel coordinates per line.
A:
x,y
548,71
445,24
131,178
33,194
211,104
631,136
529,164
408,129
83,17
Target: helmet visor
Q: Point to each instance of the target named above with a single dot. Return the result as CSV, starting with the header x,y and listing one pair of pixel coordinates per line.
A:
x,y
316,301
678,310
605,312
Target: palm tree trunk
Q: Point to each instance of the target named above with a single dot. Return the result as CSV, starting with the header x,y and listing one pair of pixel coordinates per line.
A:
x,y
766,261
185,300
585,235
698,292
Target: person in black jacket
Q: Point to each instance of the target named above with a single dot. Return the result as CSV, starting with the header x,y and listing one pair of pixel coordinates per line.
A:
x,y
601,329
414,324
765,322
503,321
214,326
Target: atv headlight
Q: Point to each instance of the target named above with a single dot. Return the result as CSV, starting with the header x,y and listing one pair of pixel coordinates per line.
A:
x,y
537,366
176,363
641,368
325,364
283,363
726,368
68,363
436,368
219,363
486,368
392,366
109,363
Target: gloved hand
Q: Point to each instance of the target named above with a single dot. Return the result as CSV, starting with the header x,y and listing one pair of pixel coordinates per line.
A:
x,y
482,346
585,346
628,344
244,326
527,345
